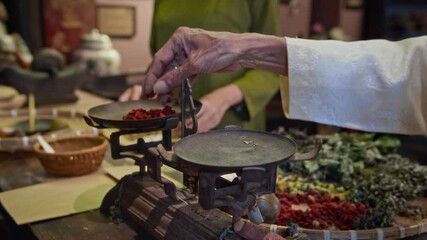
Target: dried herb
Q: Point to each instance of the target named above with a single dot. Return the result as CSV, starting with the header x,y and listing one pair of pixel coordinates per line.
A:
x,y
343,155
370,169
387,189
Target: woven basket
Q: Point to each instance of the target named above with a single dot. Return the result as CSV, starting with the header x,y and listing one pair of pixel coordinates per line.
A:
x,y
74,155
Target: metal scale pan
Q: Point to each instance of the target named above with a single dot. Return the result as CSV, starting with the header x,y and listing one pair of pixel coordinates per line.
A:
x,y
233,149
111,115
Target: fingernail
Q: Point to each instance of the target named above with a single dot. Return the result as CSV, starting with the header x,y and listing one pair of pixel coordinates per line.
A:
x,y
238,226
160,87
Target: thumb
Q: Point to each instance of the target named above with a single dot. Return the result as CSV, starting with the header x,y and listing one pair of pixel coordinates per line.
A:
x,y
172,78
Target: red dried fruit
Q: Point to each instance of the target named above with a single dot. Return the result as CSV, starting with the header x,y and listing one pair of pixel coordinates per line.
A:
x,y
323,211
142,114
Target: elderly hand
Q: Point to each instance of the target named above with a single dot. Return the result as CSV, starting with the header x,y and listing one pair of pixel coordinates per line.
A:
x,y
208,117
192,51
251,231
210,114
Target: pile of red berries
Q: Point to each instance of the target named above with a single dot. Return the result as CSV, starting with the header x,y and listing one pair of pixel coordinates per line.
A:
x,y
320,211
142,114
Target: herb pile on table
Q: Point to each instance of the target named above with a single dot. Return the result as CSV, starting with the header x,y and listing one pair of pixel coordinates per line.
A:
x,y
357,182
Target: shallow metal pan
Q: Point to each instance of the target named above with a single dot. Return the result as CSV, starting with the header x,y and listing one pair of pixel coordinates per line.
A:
x,y
111,115
235,149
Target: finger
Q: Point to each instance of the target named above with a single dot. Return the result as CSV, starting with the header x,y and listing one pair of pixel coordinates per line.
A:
x,y
188,123
136,92
161,61
166,56
173,78
176,134
164,98
177,130
203,123
152,77
201,120
125,95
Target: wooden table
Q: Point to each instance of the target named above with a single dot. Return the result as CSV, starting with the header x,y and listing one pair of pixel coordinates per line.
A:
x,y
20,169
23,169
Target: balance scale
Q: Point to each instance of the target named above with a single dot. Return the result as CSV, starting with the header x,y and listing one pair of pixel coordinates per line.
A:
x,y
210,203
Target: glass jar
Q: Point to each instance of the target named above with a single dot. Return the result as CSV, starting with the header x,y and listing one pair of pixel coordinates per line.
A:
x,y
97,52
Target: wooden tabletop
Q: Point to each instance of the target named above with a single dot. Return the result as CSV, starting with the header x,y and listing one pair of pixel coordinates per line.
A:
x,y
23,169
20,169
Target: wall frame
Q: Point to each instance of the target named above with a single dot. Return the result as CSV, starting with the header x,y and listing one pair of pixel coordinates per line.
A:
x,y
116,21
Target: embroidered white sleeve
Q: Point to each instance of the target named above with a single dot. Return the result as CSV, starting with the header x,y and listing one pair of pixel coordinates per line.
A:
x,y
376,85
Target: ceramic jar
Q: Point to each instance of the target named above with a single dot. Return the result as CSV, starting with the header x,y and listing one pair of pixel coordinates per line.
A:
x,y
97,52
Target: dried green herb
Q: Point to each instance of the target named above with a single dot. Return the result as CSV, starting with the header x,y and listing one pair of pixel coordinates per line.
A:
x,y
387,190
369,168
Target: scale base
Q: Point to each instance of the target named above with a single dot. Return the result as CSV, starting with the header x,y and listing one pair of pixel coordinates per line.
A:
x,y
144,201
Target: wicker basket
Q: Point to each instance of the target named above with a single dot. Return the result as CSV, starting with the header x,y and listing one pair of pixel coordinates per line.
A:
x,y
74,155
396,232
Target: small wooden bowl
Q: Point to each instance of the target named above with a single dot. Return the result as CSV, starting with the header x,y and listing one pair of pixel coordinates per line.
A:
x,y
74,155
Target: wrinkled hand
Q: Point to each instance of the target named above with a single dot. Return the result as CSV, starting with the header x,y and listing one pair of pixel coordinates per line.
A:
x,y
192,51
251,231
210,114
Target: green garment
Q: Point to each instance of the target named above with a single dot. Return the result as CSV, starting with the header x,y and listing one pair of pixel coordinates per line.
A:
x,y
257,86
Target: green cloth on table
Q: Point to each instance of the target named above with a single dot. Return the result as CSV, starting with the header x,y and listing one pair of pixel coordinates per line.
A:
x,y
262,16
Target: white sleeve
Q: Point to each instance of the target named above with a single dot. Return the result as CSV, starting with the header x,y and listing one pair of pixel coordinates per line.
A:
x,y
375,85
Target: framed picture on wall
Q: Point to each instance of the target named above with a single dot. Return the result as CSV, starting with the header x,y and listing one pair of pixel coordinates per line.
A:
x,y
354,4
116,21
